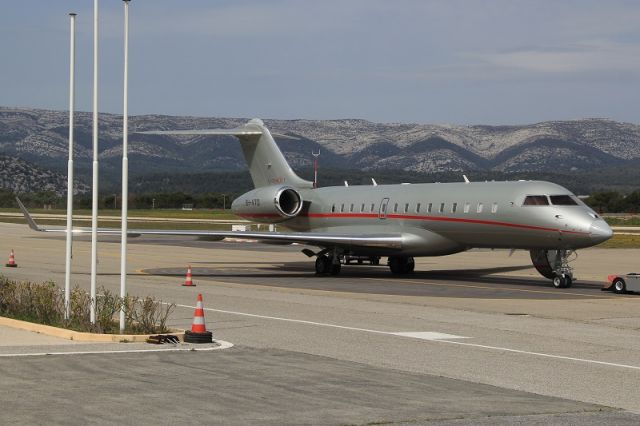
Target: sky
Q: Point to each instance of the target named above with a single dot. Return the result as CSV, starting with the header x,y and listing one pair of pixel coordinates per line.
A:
x,y
414,61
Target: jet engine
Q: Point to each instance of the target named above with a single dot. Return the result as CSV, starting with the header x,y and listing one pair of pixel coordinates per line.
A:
x,y
270,204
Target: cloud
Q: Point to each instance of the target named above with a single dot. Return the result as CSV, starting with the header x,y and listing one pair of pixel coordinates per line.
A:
x,y
584,57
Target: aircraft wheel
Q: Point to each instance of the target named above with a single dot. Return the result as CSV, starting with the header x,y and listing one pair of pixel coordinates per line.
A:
x,y
619,286
410,266
323,265
395,265
401,264
559,282
568,282
335,269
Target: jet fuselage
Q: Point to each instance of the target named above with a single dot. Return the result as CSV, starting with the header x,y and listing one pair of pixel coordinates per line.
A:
x,y
445,218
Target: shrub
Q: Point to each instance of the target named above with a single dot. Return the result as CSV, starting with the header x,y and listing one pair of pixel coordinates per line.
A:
x,y
44,303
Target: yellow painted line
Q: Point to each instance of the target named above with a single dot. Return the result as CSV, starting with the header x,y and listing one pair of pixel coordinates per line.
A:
x,y
491,288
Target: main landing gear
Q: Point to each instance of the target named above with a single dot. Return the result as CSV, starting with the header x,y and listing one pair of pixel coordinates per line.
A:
x,y
327,265
401,264
554,264
329,261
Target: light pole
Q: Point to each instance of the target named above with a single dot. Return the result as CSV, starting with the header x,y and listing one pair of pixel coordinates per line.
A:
x,y
69,242
94,200
125,168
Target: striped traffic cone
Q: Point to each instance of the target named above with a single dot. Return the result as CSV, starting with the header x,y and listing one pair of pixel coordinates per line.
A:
x,y
188,282
198,333
12,261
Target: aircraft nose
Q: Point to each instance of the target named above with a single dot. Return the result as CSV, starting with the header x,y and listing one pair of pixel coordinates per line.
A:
x,y
600,231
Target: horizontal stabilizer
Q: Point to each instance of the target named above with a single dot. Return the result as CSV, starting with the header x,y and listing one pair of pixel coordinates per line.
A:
x,y
238,131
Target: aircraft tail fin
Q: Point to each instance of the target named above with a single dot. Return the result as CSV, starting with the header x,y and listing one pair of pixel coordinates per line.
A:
x,y
267,165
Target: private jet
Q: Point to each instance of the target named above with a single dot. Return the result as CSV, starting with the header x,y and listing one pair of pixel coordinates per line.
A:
x,y
400,222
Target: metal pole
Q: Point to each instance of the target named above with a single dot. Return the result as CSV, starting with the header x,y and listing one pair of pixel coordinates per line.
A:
x,y
94,200
68,253
125,167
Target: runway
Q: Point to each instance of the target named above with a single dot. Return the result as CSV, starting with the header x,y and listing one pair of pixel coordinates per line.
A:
x,y
474,338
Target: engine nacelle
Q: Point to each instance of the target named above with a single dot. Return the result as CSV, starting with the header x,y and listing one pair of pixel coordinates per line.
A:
x,y
270,204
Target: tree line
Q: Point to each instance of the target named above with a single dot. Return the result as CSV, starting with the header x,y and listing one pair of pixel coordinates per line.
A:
x,y
160,200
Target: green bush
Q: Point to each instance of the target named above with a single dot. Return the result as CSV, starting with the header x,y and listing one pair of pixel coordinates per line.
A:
x,y
43,303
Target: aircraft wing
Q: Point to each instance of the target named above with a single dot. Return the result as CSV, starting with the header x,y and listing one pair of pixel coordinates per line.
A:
x,y
320,239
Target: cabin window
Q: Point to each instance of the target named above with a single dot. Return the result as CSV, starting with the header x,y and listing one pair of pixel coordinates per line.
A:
x,y
429,207
342,208
479,209
395,208
333,208
418,208
406,208
562,200
454,207
494,208
441,208
467,206
362,208
351,208
536,200
373,207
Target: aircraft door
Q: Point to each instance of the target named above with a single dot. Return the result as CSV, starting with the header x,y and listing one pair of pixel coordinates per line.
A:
x,y
383,208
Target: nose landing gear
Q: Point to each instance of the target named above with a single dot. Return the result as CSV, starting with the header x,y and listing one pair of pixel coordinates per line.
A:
x,y
554,264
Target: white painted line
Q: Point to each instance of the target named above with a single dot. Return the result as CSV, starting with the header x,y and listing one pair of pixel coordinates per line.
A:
x,y
443,340
428,335
540,354
320,324
223,345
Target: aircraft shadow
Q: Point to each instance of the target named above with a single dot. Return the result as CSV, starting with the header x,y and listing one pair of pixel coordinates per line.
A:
x,y
304,271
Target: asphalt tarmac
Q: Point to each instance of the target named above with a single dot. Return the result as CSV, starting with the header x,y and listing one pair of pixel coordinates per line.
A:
x,y
474,338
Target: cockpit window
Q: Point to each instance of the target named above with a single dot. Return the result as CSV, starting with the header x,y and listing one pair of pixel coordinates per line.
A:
x,y
536,200
562,200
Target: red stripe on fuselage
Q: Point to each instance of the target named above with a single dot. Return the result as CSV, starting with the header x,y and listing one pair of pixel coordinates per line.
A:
x,y
424,218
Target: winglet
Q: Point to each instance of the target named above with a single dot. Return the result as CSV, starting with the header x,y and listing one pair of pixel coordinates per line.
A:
x,y
32,223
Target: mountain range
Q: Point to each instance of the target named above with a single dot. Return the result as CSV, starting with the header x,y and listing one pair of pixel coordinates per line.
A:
x,y
40,137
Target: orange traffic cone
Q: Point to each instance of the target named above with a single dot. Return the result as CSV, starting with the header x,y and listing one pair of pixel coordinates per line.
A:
x,y
198,333
12,260
188,282
198,325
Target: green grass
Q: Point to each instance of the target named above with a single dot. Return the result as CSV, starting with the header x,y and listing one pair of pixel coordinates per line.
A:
x,y
623,221
622,241
163,213
136,225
